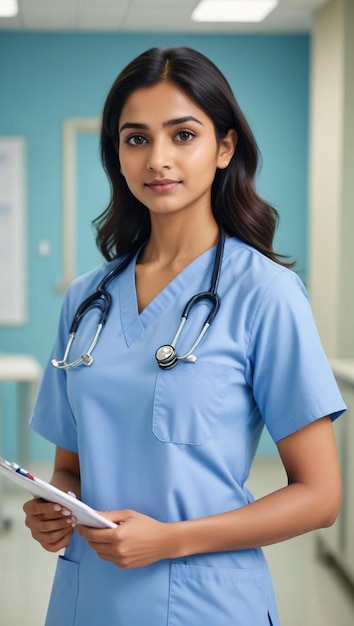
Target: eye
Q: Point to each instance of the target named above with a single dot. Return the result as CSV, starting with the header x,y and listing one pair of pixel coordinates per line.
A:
x,y
135,140
184,136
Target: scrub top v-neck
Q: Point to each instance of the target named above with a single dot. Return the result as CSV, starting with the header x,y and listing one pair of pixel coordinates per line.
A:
x,y
133,323
178,444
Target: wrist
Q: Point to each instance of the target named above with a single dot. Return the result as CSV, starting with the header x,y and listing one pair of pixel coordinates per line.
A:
x,y
186,539
215,533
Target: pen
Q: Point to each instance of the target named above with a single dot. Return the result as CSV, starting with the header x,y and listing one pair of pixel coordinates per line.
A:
x,y
21,471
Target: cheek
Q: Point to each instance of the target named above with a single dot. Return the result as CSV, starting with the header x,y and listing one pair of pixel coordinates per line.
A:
x,y
127,168
206,167
205,157
132,176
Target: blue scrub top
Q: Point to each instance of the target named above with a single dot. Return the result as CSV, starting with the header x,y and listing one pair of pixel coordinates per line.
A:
x,y
179,444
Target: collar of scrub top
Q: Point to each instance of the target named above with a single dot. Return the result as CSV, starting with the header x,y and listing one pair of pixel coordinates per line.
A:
x,y
166,356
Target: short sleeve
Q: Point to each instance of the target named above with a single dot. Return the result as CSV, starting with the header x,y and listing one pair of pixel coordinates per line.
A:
x,y
287,368
52,417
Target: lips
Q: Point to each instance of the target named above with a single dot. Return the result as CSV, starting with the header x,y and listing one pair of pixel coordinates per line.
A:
x,y
163,184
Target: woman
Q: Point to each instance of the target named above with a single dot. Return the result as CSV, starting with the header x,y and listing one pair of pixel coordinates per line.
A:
x,y
162,438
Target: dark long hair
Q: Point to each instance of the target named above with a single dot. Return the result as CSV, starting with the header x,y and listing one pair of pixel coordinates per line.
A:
x,y
125,223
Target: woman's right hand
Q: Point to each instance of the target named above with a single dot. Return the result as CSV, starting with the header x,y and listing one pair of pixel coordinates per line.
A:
x,y
50,524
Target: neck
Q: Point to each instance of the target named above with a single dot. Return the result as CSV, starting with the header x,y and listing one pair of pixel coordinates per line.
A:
x,y
174,240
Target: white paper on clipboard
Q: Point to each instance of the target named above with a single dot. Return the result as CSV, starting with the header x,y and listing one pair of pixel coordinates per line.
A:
x,y
40,489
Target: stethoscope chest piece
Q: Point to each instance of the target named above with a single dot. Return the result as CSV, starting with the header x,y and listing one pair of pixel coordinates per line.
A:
x,y
166,356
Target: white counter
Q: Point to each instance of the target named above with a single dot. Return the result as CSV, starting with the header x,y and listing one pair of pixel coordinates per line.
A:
x,y
26,372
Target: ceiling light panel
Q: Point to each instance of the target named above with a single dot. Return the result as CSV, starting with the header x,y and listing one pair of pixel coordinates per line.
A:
x,y
233,10
8,8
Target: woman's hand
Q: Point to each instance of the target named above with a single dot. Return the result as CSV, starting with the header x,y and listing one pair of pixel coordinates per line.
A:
x,y
50,524
138,540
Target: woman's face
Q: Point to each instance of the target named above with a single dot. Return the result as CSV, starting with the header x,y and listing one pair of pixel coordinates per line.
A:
x,y
168,150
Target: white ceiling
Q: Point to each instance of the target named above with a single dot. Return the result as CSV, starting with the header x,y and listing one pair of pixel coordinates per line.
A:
x,y
290,16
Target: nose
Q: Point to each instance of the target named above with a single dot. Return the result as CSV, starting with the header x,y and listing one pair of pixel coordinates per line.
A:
x,y
160,155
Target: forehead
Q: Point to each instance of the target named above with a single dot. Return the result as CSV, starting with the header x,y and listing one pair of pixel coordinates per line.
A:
x,y
161,102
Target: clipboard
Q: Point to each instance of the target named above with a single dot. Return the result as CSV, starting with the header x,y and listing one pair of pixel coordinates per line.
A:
x,y
40,489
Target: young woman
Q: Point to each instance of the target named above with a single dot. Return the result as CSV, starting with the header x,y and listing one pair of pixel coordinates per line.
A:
x,y
155,429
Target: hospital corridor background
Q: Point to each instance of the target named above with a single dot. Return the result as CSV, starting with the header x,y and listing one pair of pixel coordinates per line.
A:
x,y
293,75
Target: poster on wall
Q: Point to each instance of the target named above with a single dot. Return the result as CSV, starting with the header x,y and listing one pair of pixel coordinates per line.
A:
x,y
12,231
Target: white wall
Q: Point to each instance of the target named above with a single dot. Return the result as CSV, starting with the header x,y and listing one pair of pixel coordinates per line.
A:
x,y
331,195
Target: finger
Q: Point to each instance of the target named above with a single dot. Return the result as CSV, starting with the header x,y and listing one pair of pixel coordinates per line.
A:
x,y
49,526
55,519
95,535
63,510
107,552
118,516
51,537
54,546
108,556
36,506
45,510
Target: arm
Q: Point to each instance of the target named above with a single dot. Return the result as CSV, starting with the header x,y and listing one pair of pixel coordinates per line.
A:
x,y
310,500
66,473
51,524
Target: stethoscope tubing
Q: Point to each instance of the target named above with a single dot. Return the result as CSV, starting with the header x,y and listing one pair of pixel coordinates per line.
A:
x,y
101,298
166,355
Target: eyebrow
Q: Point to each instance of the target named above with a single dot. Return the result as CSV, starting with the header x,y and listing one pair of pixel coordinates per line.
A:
x,y
174,122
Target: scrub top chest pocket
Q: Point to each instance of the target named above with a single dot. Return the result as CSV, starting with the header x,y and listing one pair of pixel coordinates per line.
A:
x,y
188,402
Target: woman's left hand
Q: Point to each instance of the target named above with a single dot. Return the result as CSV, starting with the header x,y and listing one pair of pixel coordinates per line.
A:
x,y
137,541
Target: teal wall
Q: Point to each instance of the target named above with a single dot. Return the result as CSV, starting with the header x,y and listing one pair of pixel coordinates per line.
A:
x,y
46,78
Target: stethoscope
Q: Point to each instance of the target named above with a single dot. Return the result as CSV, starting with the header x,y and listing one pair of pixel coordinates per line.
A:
x,y
166,356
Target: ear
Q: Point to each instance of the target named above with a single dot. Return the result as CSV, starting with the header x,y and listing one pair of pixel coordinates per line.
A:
x,y
227,148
